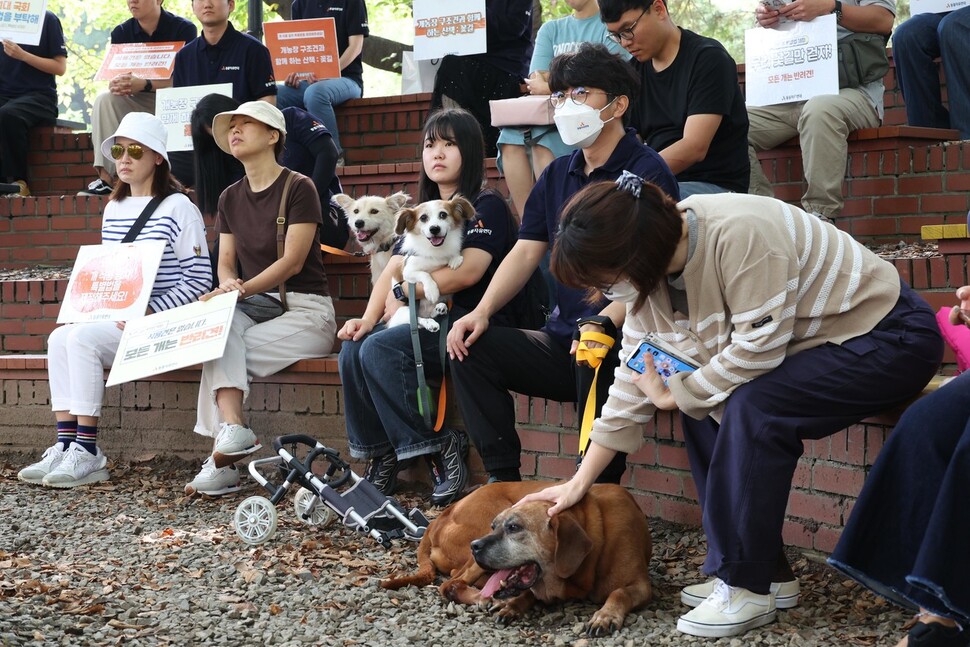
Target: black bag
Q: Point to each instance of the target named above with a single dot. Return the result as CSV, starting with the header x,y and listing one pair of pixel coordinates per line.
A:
x,y
261,307
862,59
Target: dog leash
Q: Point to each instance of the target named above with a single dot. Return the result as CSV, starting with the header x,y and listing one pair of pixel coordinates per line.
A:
x,y
593,357
424,392
339,252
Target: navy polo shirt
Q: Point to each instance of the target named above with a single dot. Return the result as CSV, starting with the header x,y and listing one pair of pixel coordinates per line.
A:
x,y
562,179
302,131
350,17
170,29
18,78
237,58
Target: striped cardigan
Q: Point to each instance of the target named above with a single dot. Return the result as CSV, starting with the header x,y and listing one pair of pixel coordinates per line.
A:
x,y
765,281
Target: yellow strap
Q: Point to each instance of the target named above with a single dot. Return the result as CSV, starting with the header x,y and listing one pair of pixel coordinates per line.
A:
x,y
593,357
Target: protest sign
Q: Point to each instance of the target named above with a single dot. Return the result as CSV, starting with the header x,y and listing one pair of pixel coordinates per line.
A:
x,y
303,47
22,21
111,282
443,28
144,60
173,339
936,6
174,107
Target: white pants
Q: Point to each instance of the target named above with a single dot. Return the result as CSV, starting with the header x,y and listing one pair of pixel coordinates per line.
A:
x,y
307,329
107,112
77,355
822,124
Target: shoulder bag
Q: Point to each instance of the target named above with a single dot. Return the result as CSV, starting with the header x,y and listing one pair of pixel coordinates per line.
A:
x,y
862,59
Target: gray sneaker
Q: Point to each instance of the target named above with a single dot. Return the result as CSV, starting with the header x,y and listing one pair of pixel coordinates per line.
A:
x,y
214,481
232,443
48,462
78,467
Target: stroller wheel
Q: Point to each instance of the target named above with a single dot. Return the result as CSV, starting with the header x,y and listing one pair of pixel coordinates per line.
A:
x,y
321,514
255,520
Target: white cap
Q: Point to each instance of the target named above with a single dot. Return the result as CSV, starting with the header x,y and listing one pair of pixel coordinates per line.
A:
x,y
261,111
146,129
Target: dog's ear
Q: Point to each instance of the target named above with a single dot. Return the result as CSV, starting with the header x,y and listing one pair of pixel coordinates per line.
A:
x,y
398,200
572,544
344,200
405,220
461,206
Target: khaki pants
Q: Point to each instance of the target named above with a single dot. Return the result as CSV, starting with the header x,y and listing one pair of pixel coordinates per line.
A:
x,y
823,125
107,113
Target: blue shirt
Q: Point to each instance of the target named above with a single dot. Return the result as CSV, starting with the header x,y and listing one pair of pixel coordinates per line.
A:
x,y
350,18
18,78
562,179
170,29
237,58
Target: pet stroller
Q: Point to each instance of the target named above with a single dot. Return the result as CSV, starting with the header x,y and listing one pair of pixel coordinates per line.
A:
x,y
359,504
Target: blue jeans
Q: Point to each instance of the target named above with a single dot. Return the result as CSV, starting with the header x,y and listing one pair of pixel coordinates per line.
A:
x,y
319,99
380,388
916,43
688,189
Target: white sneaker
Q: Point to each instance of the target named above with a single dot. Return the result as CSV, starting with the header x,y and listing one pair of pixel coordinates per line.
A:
x,y
78,467
728,611
786,593
232,443
214,481
35,473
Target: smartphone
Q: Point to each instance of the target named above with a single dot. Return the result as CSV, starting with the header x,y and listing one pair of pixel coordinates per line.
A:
x,y
664,361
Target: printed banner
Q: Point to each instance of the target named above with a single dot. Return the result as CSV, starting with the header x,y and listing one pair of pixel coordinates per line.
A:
x,y
22,21
936,6
111,282
443,28
174,107
172,339
144,60
793,62
303,46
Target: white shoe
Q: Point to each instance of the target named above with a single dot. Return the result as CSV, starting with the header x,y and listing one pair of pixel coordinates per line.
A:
x,y
214,481
78,467
728,611
35,473
232,443
786,593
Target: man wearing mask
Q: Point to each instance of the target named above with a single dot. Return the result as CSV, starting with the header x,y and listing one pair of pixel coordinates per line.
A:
x,y
591,90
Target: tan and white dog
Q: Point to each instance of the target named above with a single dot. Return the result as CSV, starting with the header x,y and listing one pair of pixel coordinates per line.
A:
x,y
433,233
372,220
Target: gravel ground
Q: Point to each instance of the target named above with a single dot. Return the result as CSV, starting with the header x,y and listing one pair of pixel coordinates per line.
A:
x,y
132,561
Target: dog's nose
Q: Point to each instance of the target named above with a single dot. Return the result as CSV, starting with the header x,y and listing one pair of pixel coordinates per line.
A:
x,y
477,546
435,230
359,224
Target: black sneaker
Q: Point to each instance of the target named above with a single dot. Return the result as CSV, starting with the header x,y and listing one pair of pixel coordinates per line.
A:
x,y
97,187
449,468
382,471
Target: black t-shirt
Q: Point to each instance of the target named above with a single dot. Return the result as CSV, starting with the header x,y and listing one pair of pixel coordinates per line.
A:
x,y
703,79
171,28
19,79
350,19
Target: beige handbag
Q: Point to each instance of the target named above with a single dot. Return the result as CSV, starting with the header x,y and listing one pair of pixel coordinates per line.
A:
x,y
530,110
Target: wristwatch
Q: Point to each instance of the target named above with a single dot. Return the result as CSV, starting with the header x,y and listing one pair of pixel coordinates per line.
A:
x,y
398,291
837,10
148,86
600,320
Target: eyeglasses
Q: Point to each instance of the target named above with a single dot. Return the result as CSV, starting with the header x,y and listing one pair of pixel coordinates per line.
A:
x,y
135,151
627,34
577,96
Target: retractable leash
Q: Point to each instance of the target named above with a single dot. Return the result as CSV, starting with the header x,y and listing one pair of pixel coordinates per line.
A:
x,y
424,391
593,357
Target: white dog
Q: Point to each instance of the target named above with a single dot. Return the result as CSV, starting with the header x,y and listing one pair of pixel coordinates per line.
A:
x,y
371,220
433,233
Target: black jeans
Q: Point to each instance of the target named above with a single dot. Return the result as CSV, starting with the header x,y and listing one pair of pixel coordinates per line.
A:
x,y
17,116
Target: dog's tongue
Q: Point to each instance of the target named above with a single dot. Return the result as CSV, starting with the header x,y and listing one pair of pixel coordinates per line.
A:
x,y
437,240
494,583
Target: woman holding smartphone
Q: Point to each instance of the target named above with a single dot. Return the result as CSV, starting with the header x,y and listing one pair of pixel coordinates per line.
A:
x,y
798,331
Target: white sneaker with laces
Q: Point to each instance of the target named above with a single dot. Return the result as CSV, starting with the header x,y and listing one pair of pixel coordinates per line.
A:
x,y
214,481
728,611
35,473
232,443
78,467
786,593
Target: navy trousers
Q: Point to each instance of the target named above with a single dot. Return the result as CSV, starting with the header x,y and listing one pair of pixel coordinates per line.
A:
x,y
908,533
743,466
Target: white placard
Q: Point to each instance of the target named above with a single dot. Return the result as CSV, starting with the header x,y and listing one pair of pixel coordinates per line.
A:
x,y
172,339
22,21
111,282
792,62
174,107
443,28
936,6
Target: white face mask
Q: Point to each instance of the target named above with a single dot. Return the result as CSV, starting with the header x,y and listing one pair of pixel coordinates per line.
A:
x,y
579,125
622,292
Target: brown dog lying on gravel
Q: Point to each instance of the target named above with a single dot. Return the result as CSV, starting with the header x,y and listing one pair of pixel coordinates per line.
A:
x,y
597,550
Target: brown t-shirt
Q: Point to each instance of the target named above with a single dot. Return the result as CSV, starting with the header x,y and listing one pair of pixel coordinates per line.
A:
x,y
250,216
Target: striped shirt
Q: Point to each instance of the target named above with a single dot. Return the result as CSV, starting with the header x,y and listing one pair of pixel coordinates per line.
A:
x,y
766,281
184,273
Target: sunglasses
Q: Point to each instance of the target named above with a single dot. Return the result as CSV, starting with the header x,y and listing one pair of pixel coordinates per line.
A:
x,y
135,151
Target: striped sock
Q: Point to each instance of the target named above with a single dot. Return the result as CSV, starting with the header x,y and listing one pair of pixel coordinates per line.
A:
x,y
66,432
87,437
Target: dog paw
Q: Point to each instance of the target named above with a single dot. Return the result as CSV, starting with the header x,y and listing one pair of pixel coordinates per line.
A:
x,y
456,262
602,624
440,308
429,324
